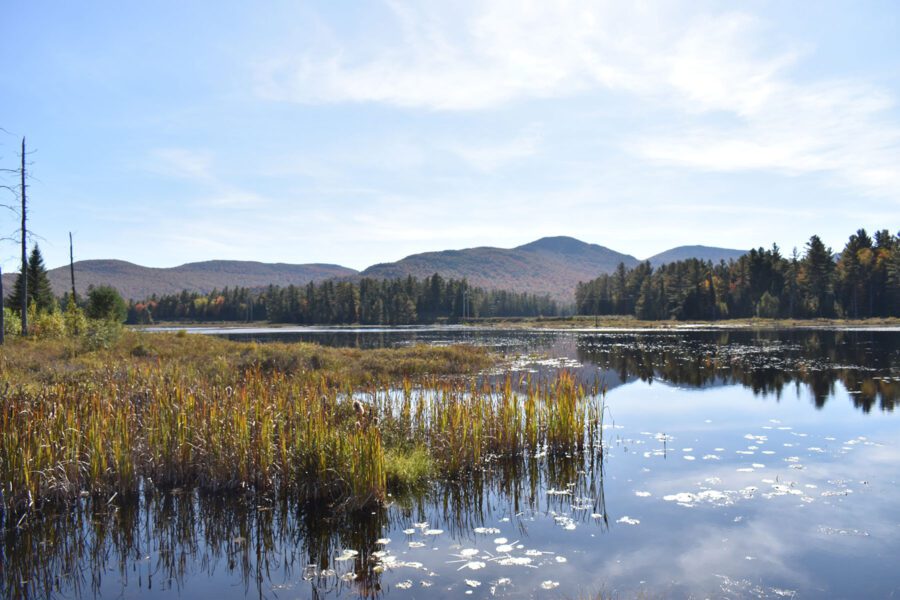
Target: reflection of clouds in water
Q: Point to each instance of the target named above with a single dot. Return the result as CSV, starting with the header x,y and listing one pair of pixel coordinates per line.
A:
x,y
791,518
696,558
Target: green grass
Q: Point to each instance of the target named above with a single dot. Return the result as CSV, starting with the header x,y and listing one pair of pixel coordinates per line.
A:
x,y
408,470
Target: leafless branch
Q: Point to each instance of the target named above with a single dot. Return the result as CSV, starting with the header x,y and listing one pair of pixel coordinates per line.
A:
x,y
33,236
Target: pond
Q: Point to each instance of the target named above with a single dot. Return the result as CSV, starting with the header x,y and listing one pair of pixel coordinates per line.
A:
x,y
736,464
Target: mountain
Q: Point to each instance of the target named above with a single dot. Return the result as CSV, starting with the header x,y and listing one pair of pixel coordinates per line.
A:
x,y
138,282
700,252
550,265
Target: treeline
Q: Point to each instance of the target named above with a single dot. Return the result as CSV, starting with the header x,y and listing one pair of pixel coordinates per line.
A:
x,y
863,281
367,301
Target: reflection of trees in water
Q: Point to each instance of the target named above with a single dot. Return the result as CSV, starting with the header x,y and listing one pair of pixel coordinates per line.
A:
x,y
163,539
766,362
159,540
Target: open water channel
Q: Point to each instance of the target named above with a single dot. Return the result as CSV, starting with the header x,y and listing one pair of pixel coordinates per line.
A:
x,y
736,464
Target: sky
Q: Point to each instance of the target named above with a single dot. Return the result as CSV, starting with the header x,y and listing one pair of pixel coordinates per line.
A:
x,y
361,132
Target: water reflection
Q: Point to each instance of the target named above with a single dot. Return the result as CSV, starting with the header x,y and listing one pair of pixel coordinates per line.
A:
x,y
865,362
167,542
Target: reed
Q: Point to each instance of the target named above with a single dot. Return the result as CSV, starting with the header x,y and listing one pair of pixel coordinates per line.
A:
x,y
118,426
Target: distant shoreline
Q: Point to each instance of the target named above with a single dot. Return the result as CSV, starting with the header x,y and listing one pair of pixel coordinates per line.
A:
x,y
581,323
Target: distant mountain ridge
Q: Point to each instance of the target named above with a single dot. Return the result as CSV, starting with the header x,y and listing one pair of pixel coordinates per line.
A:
x,y
138,282
706,253
550,265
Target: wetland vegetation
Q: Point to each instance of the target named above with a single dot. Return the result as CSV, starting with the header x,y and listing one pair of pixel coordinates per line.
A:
x,y
341,425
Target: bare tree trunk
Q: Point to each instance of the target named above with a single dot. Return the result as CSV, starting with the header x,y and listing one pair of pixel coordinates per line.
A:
x,y
2,311
24,251
72,266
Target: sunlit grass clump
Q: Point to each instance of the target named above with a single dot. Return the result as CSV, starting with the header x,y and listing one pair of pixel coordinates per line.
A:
x,y
246,417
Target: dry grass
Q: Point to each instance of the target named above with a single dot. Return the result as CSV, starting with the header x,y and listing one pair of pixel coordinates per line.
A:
x,y
300,420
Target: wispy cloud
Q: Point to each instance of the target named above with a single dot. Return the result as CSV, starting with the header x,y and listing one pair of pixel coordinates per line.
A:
x,y
198,167
181,163
459,57
724,78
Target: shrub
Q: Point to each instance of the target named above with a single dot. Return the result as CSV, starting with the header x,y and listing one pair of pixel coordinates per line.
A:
x,y
48,325
101,333
75,321
104,302
12,323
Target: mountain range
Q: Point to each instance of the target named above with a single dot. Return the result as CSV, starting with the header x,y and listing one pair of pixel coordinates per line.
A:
x,y
550,265
139,282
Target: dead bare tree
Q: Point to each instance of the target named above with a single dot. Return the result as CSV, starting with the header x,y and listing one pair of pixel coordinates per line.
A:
x,y
72,266
22,188
24,247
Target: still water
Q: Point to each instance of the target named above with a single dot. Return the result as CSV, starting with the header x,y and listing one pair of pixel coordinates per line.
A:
x,y
736,464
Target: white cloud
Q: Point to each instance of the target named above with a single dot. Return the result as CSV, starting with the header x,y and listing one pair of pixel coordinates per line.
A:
x,y
198,167
458,58
837,128
723,78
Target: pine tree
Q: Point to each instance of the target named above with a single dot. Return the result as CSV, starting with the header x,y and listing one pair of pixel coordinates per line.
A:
x,y
40,293
817,269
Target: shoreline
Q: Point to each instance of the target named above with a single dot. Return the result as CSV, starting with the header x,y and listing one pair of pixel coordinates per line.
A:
x,y
575,324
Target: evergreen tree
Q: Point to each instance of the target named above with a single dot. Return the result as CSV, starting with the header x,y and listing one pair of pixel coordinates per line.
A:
x,y
816,269
853,274
104,302
892,277
40,294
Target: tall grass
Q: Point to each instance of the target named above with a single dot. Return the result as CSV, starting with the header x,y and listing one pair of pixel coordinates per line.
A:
x,y
113,427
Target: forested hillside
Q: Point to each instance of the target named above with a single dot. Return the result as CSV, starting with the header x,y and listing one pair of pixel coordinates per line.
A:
x,y
864,281
552,265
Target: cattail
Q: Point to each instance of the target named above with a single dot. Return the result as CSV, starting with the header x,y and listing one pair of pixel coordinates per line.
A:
x,y
359,409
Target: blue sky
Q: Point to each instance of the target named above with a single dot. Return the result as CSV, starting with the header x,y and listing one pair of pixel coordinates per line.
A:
x,y
356,133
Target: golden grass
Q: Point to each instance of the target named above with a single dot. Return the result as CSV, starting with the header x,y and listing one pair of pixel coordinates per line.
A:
x,y
296,420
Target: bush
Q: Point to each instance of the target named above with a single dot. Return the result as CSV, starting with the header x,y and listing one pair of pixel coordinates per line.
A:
x,y
104,302
76,322
101,333
12,323
47,325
